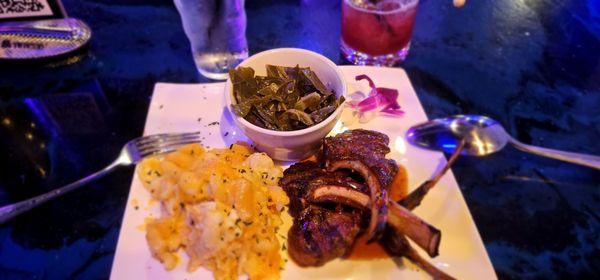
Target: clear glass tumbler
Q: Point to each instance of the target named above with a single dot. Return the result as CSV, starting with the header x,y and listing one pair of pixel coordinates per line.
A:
x,y
217,33
377,32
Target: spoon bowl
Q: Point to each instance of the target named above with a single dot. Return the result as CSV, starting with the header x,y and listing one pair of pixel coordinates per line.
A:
x,y
482,136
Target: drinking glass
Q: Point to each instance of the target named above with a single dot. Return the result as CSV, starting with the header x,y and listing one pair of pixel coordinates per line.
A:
x,y
377,32
216,30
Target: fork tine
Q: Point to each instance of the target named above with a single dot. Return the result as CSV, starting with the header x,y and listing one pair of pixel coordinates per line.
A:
x,y
162,137
166,141
158,152
164,147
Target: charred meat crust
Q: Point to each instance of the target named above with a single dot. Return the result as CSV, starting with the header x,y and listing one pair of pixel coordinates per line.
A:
x,y
364,151
320,235
369,147
331,206
404,221
377,193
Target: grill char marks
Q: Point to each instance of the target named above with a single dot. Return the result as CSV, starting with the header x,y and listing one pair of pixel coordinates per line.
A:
x,y
330,207
368,147
322,232
302,177
319,233
363,152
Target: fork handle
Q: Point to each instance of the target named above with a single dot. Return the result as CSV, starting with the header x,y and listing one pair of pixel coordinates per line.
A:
x,y
576,158
10,211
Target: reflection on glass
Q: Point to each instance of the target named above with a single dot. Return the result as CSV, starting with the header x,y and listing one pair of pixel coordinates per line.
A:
x,y
216,30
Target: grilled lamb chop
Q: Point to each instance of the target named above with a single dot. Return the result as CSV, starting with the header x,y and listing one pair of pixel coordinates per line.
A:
x,y
400,218
301,177
330,207
363,151
319,233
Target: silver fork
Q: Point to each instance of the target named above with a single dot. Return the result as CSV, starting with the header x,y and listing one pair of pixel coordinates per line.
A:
x,y
132,153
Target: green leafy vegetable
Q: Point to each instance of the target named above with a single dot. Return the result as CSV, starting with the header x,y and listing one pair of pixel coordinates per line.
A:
x,y
323,113
310,101
300,116
287,98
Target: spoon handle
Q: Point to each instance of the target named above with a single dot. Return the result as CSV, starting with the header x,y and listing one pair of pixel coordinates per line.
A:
x,y
576,158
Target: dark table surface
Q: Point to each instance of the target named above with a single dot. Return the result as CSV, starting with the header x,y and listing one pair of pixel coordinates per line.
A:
x,y
533,65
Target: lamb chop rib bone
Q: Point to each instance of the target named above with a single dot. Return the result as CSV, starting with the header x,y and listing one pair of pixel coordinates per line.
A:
x,y
397,245
424,235
412,200
378,196
363,151
400,217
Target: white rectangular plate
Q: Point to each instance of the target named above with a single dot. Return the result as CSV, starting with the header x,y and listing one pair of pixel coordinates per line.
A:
x,y
193,107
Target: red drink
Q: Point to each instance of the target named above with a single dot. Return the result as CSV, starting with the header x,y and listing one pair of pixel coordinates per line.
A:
x,y
377,32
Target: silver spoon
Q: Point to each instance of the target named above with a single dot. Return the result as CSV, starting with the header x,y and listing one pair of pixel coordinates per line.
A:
x,y
483,136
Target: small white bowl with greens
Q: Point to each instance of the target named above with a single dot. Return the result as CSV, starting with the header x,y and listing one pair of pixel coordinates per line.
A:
x,y
286,100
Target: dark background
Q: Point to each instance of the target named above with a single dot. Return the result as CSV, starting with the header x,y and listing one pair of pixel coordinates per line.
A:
x,y
534,65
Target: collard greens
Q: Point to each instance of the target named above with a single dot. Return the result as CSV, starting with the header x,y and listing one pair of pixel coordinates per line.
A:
x,y
288,98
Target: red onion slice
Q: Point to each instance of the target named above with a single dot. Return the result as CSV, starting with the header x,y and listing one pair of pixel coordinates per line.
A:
x,y
382,99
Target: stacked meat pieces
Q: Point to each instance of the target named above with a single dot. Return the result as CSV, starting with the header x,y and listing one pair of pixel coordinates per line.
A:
x,y
345,194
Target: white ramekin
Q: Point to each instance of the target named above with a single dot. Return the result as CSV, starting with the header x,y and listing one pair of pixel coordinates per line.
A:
x,y
296,144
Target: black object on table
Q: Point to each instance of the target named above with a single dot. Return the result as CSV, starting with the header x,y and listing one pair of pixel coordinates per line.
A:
x,y
532,65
